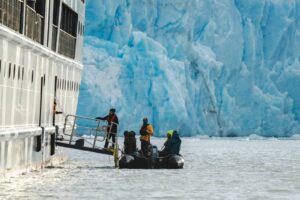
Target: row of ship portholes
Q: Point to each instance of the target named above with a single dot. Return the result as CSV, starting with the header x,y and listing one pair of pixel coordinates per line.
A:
x,y
63,84
14,72
17,73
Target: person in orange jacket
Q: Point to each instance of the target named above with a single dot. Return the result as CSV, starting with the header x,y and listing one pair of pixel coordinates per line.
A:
x,y
146,132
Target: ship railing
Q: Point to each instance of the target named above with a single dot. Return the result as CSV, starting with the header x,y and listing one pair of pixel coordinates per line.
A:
x,y
10,13
92,132
67,44
34,25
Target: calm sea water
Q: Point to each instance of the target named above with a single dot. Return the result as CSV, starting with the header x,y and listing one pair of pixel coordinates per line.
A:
x,y
214,169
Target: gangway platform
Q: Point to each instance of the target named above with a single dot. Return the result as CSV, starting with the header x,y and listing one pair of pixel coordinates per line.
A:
x,y
95,131
90,149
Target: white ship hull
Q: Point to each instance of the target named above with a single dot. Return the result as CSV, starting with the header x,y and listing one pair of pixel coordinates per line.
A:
x,y
18,152
33,79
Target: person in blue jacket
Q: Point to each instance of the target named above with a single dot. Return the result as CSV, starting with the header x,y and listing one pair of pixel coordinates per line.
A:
x,y
172,144
167,144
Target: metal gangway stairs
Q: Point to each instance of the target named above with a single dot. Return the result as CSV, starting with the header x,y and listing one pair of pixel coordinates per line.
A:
x,y
89,136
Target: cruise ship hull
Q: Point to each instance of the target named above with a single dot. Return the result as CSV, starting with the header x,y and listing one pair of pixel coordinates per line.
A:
x,y
20,152
39,86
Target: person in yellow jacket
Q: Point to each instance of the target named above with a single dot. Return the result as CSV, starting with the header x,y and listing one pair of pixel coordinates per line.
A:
x,y
146,132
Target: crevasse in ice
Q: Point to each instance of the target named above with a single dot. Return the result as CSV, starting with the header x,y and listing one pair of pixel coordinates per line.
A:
x,y
215,67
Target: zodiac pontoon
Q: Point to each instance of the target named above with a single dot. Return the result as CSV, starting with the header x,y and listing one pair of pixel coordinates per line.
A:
x,y
154,161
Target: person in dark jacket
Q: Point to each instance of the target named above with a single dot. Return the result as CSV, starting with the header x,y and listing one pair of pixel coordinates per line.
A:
x,y
146,132
112,126
129,142
175,143
167,145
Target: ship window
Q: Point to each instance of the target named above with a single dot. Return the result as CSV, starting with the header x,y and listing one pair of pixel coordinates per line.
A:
x,y
40,7
9,70
78,27
69,20
56,12
44,79
14,72
22,73
32,76
19,73
0,66
4,69
83,30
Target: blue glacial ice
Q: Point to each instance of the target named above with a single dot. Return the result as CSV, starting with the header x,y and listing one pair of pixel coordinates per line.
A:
x,y
215,67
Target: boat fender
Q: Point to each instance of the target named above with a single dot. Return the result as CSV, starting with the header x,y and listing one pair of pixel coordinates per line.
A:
x,y
79,143
52,144
38,140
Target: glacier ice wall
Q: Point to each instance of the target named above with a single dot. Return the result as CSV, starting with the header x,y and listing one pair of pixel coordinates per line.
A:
x,y
215,67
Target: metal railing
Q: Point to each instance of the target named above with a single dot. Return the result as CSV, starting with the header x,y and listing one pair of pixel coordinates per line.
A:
x,y
34,25
67,44
95,130
10,14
